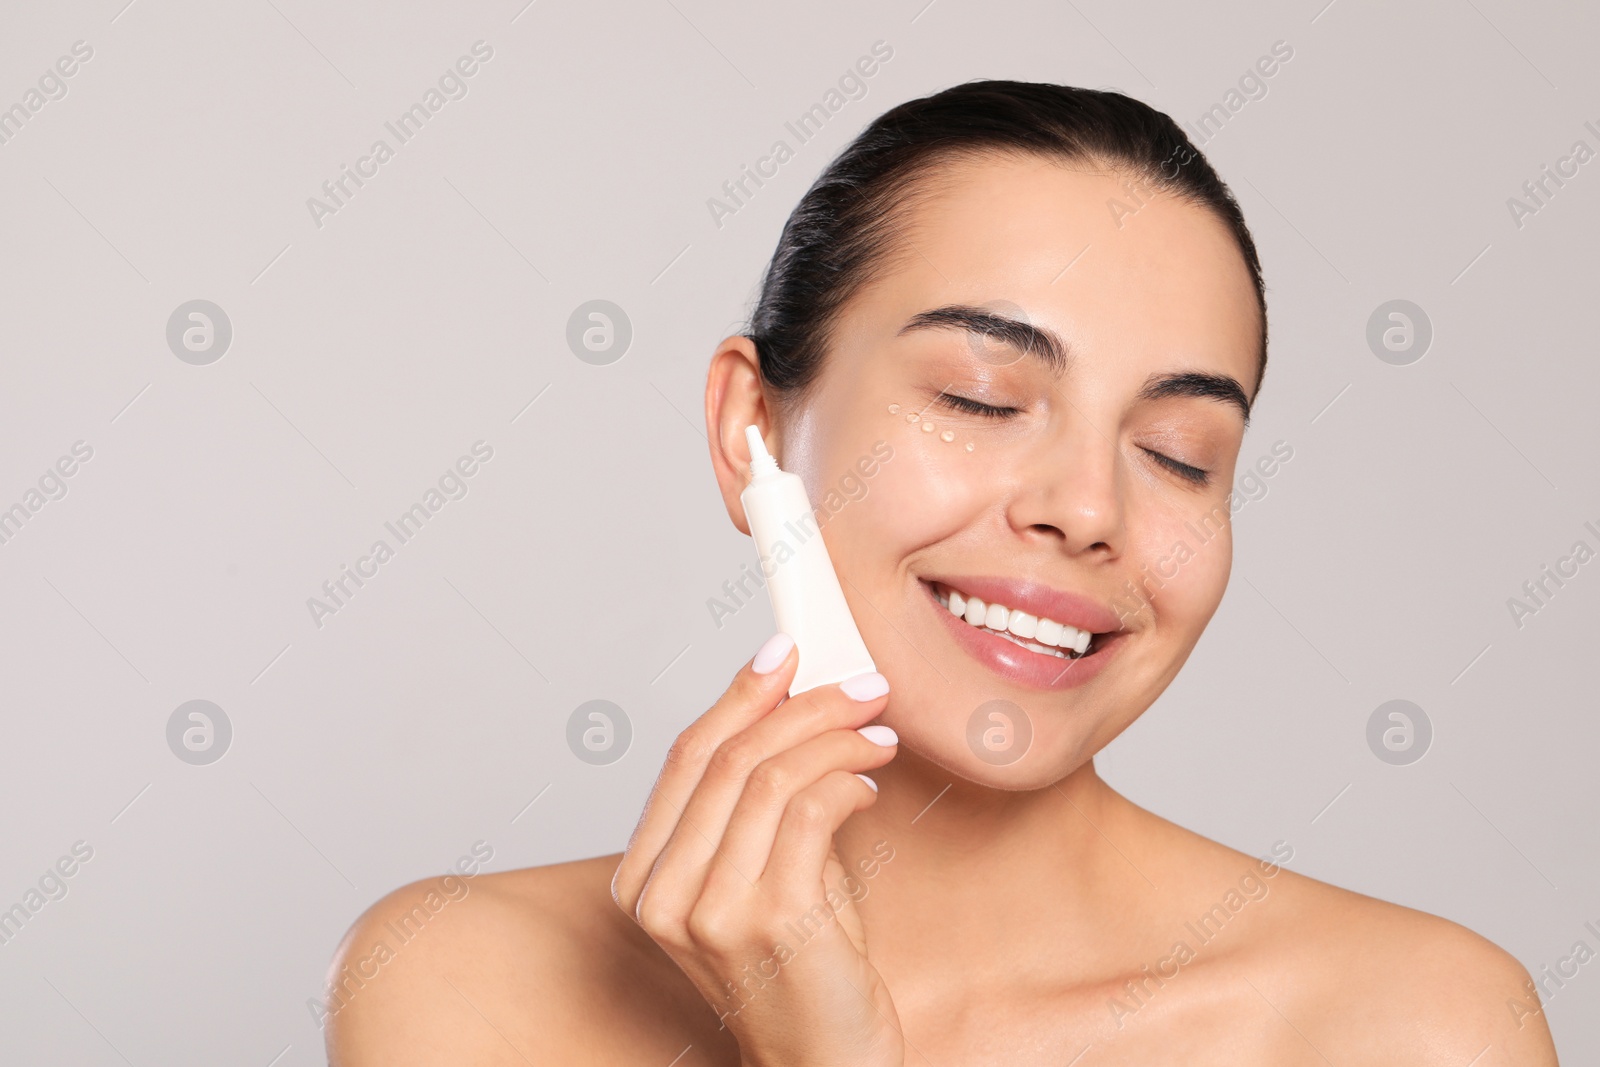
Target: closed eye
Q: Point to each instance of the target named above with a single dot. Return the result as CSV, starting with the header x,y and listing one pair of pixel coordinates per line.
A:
x,y
1190,474
976,407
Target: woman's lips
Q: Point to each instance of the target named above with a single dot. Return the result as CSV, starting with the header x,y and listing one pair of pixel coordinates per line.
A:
x,y
1036,598
1019,665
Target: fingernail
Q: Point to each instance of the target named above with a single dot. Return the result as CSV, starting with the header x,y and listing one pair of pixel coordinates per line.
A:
x,y
772,654
867,686
869,781
879,734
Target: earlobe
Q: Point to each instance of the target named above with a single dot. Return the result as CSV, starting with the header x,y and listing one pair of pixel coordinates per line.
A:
x,y
735,398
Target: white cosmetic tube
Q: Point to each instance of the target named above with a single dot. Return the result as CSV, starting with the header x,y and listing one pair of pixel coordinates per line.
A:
x,y
806,599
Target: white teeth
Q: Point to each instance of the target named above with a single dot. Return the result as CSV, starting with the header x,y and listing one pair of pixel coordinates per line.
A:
x,y
976,610
1034,646
1048,636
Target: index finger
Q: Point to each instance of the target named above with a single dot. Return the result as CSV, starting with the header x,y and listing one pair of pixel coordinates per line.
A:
x,y
759,687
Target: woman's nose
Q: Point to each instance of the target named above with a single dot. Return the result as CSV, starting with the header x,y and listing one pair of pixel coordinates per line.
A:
x,y
1070,488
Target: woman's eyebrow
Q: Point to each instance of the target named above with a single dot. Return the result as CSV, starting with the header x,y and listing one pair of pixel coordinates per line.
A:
x,y
1023,336
1027,338
1194,383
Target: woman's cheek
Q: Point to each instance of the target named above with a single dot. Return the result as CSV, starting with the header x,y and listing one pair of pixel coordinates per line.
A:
x,y
929,490
1184,573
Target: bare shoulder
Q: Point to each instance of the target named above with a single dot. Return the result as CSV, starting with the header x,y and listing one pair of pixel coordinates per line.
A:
x,y
498,968
1324,974
1423,989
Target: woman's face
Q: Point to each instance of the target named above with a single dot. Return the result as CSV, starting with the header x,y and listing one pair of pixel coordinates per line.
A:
x,y
1111,339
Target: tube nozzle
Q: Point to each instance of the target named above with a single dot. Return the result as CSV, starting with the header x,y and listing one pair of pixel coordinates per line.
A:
x,y
761,461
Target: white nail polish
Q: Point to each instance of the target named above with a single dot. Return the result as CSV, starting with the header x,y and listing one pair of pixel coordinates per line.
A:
x,y
879,734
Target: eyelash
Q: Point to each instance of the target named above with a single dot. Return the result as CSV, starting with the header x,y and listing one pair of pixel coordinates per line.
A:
x,y
976,407
1193,475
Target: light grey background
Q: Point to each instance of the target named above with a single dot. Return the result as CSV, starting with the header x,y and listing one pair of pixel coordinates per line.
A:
x,y
372,351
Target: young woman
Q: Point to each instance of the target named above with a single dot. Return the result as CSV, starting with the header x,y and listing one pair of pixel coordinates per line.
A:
x,y
1029,320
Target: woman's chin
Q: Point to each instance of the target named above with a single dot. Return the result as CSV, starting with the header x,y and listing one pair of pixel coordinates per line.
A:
x,y
1039,765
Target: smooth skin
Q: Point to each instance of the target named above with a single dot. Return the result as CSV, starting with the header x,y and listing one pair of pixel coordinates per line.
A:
x,y
1027,913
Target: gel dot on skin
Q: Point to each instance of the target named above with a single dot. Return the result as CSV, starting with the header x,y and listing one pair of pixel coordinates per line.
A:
x,y
927,427
894,409
911,416
948,435
969,446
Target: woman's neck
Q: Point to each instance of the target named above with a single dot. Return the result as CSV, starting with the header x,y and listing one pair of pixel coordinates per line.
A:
x,y
1021,884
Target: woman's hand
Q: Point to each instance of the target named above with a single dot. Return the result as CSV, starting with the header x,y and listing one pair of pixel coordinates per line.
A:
x,y
733,863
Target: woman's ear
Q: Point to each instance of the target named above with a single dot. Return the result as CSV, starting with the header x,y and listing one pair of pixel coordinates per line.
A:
x,y
734,400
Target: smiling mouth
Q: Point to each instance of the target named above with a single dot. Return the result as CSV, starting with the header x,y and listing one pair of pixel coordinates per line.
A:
x,y
1043,636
